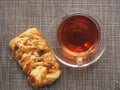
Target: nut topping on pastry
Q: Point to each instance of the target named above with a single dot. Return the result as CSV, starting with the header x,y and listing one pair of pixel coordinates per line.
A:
x,y
35,58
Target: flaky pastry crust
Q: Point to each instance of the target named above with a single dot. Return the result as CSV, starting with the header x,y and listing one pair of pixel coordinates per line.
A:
x,y
35,58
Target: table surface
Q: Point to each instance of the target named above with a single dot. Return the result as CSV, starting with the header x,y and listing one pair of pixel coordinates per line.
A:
x,y
18,15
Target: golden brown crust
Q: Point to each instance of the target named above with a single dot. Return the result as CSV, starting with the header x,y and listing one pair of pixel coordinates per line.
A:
x,y
34,56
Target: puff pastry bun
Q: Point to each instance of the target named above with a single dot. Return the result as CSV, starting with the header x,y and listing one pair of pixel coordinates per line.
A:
x,y
35,58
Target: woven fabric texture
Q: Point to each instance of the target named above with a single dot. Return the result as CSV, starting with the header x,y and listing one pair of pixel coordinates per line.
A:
x,y
19,15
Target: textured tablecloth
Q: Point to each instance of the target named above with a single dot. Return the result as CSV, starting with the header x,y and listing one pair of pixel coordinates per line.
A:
x,y
18,15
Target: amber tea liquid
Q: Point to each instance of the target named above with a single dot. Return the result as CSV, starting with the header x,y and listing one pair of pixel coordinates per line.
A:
x,y
78,34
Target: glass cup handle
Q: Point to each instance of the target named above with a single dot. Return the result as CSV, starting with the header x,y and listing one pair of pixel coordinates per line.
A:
x,y
79,61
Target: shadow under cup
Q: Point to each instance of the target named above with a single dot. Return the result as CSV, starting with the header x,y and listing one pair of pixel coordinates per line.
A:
x,y
79,40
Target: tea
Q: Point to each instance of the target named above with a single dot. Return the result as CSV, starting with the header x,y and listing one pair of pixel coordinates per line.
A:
x,y
78,33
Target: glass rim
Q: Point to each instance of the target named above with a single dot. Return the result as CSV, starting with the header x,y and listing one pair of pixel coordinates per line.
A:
x,y
95,20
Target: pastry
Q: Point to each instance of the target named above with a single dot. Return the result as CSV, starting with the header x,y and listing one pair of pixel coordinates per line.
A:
x,y
35,58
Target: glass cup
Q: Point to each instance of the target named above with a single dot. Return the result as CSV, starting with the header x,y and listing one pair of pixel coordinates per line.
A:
x,y
71,58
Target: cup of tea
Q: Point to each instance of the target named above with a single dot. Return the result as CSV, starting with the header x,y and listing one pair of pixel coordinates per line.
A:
x,y
77,39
